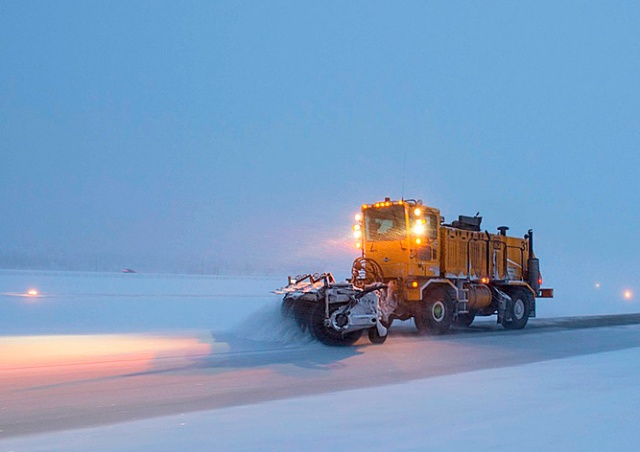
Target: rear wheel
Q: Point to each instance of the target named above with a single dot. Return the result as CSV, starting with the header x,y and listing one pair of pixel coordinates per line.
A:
x,y
326,334
518,309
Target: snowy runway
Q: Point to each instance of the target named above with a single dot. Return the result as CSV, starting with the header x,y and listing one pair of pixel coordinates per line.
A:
x,y
580,403
552,386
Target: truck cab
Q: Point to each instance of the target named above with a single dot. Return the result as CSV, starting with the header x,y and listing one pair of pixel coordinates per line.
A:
x,y
402,236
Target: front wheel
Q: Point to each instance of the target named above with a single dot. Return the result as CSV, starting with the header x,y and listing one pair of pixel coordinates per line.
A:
x,y
519,309
437,314
422,323
326,334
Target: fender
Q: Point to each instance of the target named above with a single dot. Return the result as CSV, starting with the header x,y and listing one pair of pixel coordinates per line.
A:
x,y
440,281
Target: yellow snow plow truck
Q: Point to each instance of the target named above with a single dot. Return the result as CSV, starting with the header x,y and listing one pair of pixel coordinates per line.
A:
x,y
414,265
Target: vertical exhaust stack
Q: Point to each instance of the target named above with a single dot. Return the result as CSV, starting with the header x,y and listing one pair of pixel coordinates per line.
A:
x,y
533,265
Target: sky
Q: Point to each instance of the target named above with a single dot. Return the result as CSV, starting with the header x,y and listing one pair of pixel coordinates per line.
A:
x,y
236,136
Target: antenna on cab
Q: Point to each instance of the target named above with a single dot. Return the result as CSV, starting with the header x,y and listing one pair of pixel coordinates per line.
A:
x,y
404,165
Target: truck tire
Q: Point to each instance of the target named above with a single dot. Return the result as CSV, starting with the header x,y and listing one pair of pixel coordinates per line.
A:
x,y
437,313
518,309
328,335
422,324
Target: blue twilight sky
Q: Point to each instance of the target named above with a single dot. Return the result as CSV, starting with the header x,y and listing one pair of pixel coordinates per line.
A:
x,y
238,136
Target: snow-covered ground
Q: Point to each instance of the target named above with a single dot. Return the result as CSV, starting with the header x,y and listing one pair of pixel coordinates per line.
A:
x,y
577,404
584,402
85,302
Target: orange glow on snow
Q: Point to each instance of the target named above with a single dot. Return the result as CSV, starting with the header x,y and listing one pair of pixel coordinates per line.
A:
x,y
44,351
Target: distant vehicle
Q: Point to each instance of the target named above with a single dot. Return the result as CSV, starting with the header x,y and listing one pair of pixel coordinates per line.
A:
x,y
419,267
129,270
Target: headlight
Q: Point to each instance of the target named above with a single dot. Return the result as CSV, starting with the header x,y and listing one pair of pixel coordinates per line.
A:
x,y
419,228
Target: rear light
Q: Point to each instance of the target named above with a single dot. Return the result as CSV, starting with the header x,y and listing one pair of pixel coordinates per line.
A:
x,y
545,293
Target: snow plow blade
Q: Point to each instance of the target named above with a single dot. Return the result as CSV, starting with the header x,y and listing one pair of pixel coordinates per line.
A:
x,y
334,313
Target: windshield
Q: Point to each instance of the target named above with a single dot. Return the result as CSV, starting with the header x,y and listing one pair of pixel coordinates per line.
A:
x,y
431,223
387,223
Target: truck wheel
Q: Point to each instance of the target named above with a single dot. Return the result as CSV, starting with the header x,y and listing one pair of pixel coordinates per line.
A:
x,y
328,335
422,322
436,315
519,309
374,336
